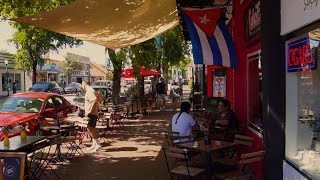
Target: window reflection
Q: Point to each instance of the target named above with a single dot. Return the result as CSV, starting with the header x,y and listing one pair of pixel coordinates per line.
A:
x,y
255,93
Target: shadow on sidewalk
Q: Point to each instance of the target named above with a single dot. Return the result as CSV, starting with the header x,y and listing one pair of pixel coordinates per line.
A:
x,y
133,153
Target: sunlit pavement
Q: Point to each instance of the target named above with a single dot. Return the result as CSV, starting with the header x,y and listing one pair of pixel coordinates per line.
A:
x,y
133,152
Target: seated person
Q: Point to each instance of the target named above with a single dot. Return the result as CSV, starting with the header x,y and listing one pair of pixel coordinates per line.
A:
x,y
225,116
183,122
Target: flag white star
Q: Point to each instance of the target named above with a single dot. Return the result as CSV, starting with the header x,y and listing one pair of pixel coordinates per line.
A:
x,y
204,20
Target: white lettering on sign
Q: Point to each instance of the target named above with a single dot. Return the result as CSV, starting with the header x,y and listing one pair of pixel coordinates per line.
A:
x,y
309,4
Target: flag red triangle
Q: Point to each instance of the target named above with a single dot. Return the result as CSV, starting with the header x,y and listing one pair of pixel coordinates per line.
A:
x,y
205,19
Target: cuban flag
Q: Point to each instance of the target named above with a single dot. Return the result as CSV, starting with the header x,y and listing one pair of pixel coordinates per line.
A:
x,y
210,37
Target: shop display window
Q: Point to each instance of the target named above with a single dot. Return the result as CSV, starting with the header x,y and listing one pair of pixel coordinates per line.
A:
x,y
17,80
302,127
255,121
11,78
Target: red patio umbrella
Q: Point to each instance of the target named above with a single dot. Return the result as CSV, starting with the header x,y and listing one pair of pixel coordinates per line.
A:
x,y
128,73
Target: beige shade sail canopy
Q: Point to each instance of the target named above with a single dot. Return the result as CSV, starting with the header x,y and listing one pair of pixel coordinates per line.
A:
x,y
110,23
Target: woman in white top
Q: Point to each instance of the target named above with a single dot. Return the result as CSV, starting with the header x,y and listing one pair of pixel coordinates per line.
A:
x,y
183,122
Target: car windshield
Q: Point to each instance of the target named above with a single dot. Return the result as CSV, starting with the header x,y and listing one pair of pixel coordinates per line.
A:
x,y
99,83
41,86
21,104
72,85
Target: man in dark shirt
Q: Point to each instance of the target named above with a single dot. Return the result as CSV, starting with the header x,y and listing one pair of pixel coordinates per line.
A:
x,y
161,93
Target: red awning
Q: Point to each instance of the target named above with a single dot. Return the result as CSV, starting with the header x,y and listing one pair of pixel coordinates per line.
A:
x,y
128,73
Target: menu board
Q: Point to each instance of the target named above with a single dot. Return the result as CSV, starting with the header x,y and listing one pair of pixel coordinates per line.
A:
x,y
12,165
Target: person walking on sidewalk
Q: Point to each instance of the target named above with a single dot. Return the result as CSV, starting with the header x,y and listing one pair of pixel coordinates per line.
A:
x,y
161,89
175,94
91,111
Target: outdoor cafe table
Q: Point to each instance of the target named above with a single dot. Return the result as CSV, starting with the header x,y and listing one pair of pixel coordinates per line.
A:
x,y
16,144
206,149
57,130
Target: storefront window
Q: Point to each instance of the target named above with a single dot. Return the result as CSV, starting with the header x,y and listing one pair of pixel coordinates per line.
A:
x,y
17,80
303,104
11,79
42,77
4,82
255,93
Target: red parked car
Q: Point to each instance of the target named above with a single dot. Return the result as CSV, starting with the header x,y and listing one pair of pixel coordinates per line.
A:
x,y
29,110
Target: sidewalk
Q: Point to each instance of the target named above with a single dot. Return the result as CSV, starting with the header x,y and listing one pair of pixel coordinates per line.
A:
x,y
134,153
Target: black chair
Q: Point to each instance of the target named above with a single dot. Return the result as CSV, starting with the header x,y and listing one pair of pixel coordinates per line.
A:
x,y
41,158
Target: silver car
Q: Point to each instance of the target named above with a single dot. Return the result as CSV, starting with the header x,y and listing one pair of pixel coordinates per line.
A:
x,y
73,88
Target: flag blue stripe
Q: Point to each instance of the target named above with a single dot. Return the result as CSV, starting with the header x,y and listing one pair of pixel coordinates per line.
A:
x,y
194,37
217,58
229,42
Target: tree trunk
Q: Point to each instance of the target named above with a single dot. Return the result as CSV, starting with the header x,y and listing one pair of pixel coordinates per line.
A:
x,y
141,86
117,68
69,78
34,72
165,74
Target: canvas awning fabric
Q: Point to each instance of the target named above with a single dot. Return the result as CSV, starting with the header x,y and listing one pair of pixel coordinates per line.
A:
x,y
110,23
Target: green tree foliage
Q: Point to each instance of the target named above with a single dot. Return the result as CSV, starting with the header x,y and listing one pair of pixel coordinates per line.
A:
x,y
174,49
169,50
118,60
34,43
143,54
70,64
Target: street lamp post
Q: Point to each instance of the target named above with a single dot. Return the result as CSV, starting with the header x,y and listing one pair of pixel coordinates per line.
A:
x,y
7,75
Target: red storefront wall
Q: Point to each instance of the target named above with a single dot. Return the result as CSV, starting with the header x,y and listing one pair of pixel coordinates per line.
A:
x,y
237,78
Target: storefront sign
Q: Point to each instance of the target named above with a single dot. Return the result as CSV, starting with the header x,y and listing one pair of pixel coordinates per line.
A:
x,y
49,67
252,20
298,13
13,164
219,86
300,56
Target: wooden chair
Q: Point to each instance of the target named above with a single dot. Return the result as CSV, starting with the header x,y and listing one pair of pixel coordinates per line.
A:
x,y
145,106
241,172
229,158
117,117
169,135
103,126
178,163
174,138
